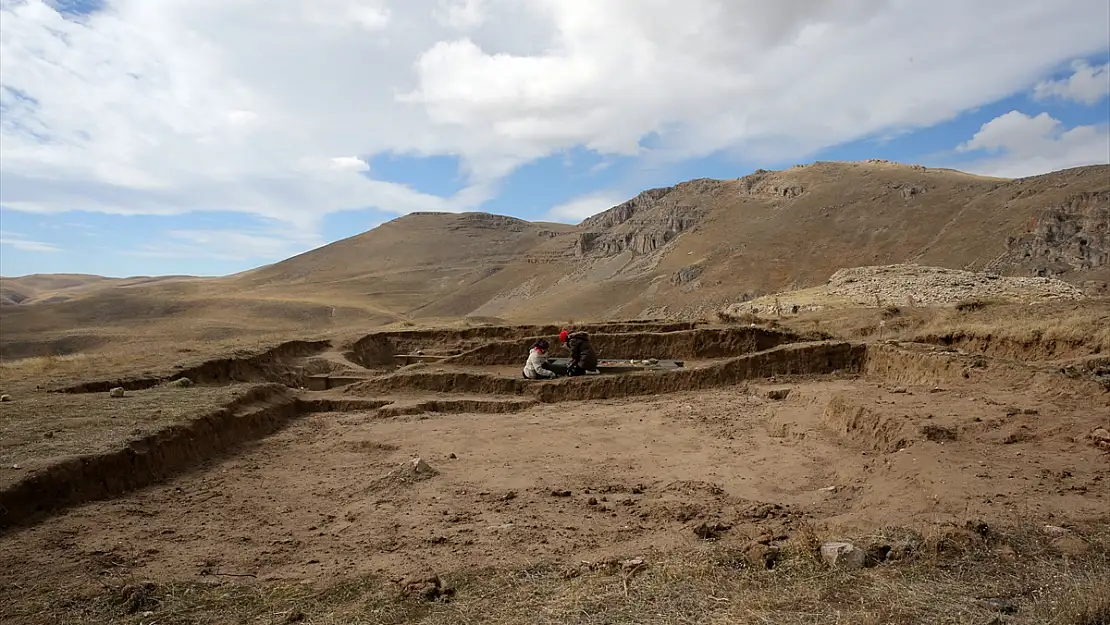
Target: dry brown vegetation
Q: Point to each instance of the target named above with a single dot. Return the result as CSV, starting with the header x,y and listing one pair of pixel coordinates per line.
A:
x,y
1013,578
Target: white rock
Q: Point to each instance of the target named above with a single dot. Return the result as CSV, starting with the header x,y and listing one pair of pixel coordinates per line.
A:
x,y
5,397
116,392
842,555
1054,530
421,467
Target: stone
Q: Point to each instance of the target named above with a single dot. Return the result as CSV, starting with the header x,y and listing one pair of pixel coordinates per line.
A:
x,y
420,467
428,587
710,531
5,397
117,392
761,556
778,394
1002,606
1054,530
181,383
840,555
1101,438
1071,545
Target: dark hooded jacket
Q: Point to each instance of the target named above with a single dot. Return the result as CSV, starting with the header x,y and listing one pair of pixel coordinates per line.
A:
x,y
581,352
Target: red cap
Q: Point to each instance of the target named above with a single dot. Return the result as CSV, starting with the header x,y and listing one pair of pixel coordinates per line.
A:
x,y
563,336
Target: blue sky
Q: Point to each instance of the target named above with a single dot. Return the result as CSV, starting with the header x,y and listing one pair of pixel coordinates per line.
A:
x,y
161,171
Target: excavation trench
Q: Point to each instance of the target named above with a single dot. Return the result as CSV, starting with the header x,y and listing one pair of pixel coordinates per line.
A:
x,y
267,408
183,446
284,364
487,346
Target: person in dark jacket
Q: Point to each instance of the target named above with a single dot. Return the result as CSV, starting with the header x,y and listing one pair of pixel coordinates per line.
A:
x,y
582,355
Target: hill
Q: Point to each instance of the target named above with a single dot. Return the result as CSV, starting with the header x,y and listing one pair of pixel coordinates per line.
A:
x,y
680,251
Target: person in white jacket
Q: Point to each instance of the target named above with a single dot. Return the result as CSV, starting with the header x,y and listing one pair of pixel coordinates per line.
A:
x,y
537,368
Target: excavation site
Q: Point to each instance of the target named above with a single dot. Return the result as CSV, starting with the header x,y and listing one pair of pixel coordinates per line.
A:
x,y
405,475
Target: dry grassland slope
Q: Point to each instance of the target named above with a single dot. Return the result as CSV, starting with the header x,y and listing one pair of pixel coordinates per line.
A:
x,y
685,250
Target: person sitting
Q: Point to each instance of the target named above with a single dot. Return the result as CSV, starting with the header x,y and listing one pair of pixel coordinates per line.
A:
x,y
583,359
537,367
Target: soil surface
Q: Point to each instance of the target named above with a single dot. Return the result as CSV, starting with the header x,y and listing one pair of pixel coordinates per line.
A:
x,y
337,494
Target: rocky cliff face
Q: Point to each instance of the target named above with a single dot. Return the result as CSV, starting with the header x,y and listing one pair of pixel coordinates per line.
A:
x,y
644,224
1071,237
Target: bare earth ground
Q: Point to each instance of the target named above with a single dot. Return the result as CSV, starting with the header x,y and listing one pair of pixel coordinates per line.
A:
x,y
977,492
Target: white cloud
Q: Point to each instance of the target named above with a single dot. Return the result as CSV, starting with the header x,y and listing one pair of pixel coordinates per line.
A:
x,y
22,243
580,208
349,163
180,105
1086,85
233,245
1027,145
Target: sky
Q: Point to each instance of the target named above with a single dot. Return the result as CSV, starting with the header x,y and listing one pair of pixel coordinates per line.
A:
x,y
207,137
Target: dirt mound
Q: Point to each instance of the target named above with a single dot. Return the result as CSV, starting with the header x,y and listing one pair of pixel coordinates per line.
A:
x,y
282,364
693,344
796,359
147,460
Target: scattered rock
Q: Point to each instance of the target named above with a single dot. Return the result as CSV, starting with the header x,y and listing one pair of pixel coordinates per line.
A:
x,y
592,501
426,587
294,616
5,397
1054,530
710,531
937,433
1071,545
507,496
452,456
761,556
117,392
899,390
420,467
778,394
829,489
1101,438
1002,606
843,555
181,383
560,493
631,565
